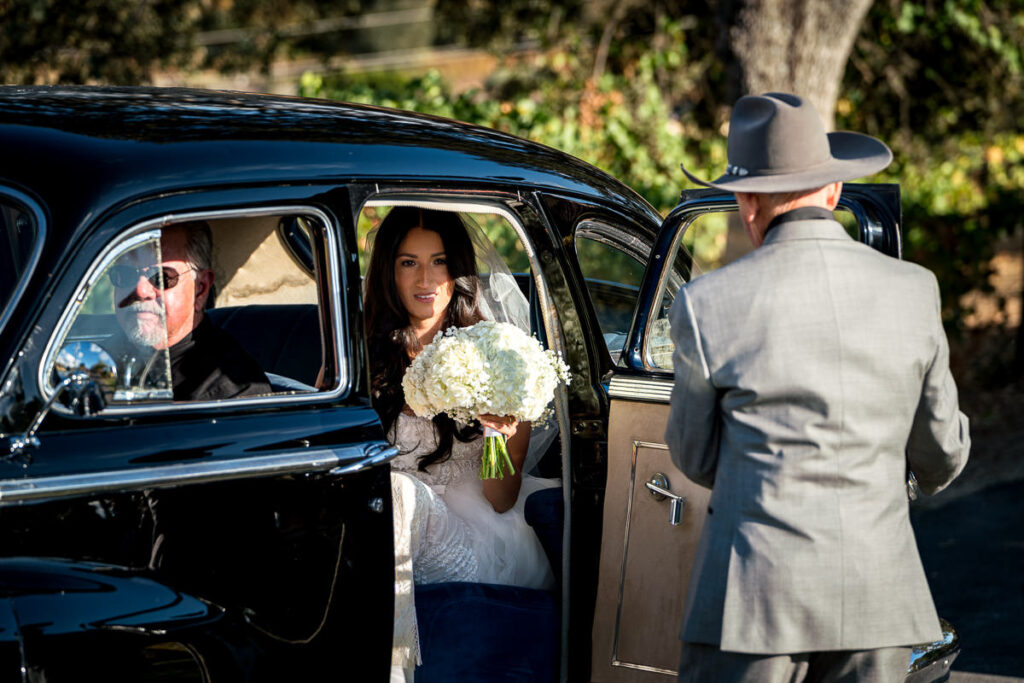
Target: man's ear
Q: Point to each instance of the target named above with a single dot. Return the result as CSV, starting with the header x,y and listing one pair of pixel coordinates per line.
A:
x,y
204,285
749,208
833,191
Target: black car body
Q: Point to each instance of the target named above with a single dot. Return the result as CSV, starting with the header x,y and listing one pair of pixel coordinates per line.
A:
x,y
251,538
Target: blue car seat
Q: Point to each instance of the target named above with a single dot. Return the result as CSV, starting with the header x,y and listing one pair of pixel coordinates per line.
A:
x,y
476,632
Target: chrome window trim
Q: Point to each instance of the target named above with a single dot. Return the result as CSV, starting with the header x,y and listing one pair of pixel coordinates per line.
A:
x,y
351,458
666,270
111,252
621,240
650,389
475,205
37,250
494,207
866,227
659,293
145,231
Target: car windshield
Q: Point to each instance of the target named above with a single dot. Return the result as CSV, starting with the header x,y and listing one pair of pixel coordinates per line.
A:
x,y
18,236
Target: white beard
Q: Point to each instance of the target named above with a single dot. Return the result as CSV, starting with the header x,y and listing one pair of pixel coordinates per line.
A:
x,y
143,332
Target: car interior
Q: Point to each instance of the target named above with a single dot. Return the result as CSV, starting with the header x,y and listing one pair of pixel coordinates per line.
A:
x,y
264,281
276,295
469,630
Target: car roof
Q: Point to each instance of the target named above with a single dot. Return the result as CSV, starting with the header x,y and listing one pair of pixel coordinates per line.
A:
x,y
102,146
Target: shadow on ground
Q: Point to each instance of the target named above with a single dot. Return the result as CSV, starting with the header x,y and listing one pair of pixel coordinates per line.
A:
x,y
972,548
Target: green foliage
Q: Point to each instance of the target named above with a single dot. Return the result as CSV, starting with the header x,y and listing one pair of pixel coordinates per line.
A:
x,y
921,78
122,42
959,198
621,123
930,68
941,80
82,41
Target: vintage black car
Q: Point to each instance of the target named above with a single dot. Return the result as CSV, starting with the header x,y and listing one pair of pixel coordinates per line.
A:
x,y
143,538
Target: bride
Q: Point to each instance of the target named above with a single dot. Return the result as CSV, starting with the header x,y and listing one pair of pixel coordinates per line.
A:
x,y
449,525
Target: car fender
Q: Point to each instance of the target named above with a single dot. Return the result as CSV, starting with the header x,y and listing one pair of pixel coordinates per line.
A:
x,y
57,597
68,617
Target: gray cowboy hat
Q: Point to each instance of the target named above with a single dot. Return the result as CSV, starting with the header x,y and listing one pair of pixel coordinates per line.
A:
x,y
777,143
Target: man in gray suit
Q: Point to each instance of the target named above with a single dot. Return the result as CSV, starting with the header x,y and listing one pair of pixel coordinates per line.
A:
x,y
810,375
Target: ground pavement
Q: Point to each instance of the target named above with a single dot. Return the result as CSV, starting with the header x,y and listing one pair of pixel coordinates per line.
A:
x,y
971,540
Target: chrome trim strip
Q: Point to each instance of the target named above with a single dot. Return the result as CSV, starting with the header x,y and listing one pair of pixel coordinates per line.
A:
x,y
942,651
33,260
146,230
377,454
649,669
31,490
110,253
637,445
666,271
621,240
654,389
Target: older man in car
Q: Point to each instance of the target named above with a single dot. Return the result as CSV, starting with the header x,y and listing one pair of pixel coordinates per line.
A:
x,y
160,306
810,376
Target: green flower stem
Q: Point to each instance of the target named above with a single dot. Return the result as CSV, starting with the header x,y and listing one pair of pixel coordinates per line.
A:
x,y
495,463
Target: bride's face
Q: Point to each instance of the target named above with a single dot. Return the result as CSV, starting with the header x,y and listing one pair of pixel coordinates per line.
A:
x,y
421,276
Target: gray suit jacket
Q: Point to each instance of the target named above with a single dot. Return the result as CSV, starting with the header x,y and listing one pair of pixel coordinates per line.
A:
x,y
808,376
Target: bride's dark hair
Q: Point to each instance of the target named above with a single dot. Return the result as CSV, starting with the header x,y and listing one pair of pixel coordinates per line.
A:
x,y
391,337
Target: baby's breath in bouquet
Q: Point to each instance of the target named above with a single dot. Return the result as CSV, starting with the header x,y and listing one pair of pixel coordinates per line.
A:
x,y
487,368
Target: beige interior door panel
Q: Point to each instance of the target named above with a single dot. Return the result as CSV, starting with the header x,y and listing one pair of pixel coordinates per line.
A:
x,y
645,560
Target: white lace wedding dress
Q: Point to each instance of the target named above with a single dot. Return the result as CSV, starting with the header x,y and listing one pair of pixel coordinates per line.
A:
x,y
446,530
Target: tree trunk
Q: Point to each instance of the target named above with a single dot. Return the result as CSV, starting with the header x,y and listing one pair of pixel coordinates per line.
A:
x,y
797,46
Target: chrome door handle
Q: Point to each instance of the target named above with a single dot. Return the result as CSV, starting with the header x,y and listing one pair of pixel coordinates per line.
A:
x,y
659,488
374,454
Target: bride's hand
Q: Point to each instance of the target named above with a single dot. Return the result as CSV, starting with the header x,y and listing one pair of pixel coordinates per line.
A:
x,y
500,423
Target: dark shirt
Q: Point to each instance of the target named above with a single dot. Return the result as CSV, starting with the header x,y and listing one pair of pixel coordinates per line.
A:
x,y
210,364
803,213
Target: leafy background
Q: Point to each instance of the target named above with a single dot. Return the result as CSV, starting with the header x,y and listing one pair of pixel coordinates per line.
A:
x,y
941,82
635,87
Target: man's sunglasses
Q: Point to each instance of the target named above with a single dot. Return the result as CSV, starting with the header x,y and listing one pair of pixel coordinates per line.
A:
x,y
160,277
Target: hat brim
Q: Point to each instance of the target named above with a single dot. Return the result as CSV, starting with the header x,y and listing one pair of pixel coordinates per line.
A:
x,y
854,155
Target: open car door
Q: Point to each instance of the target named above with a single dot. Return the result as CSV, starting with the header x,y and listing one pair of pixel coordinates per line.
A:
x,y
653,515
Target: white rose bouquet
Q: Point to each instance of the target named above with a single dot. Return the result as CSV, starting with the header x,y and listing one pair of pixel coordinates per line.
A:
x,y
487,368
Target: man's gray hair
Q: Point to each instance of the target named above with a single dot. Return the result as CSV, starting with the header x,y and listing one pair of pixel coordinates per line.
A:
x,y
198,243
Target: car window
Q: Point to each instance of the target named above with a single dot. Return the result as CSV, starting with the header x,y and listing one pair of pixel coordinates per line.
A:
x,y
612,262
717,238
495,225
710,241
503,229
20,242
163,318
97,344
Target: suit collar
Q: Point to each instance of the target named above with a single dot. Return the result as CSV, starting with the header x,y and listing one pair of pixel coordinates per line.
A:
x,y
806,230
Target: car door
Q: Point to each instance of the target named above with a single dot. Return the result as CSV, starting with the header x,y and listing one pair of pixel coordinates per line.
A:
x,y
238,539
653,515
